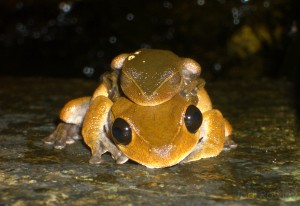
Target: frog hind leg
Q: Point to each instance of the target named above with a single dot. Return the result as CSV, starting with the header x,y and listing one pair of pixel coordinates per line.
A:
x,y
95,131
72,115
212,136
229,143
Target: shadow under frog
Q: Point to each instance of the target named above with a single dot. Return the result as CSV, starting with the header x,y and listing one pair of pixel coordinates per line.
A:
x,y
151,108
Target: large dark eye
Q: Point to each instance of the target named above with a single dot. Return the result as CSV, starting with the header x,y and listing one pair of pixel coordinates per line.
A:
x,y
192,118
121,131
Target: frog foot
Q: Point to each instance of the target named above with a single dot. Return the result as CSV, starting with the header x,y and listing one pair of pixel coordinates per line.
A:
x,y
121,159
229,144
118,156
63,134
96,159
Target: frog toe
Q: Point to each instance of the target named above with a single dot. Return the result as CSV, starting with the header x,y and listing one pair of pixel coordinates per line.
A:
x,y
121,159
96,159
57,146
49,139
229,144
60,143
70,141
63,134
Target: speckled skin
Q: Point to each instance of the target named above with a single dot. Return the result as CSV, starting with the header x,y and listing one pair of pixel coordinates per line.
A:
x,y
151,90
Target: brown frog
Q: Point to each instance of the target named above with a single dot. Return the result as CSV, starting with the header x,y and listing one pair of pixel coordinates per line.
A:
x,y
151,108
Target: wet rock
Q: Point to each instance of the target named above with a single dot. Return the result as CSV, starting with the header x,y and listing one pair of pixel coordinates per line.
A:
x,y
263,169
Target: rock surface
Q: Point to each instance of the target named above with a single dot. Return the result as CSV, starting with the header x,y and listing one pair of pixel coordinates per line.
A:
x,y
264,169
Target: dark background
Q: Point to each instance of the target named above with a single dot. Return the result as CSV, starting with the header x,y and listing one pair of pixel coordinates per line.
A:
x,y
76,38
238,39
241,39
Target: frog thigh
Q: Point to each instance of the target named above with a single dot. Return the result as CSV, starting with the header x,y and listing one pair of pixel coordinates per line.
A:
x,y
74,111
204,102
95,131
101,90
68,130
212,136
228,128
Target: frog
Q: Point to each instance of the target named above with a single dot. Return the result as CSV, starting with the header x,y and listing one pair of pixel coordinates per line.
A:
x,y
150,108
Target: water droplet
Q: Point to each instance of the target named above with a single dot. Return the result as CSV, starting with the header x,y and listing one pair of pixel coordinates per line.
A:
x,y
88,71
169,22
234,11
20,41
130,16
79,29
200,2
44,30
112,39
222,1
217,67
61,18
21,27
167,5
266,4
145,46
131,57
235,16
51,22
293,29
36,35
48,38
236,21
19,5
100,54
30,22
170,33
65,6
73,20
245,1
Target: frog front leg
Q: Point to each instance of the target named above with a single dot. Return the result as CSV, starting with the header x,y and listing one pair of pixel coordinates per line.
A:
x,y
68,130
95,131
212,136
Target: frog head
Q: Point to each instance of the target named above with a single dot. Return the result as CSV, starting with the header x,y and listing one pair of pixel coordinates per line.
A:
x,y
150,77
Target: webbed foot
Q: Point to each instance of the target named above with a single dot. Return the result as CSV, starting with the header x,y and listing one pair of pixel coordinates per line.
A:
x,y
119,157
96,159
63,134
229,144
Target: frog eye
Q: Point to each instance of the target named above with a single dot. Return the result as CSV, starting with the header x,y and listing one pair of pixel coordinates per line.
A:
x,y
192,118
121,131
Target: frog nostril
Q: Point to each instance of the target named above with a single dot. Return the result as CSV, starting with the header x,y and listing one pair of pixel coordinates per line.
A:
x,y
121,131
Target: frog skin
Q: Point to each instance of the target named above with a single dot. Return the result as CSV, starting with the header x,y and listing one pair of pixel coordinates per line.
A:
x,y
151,108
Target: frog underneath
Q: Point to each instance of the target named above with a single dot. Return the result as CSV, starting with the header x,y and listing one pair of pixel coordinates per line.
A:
x,y
151,108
